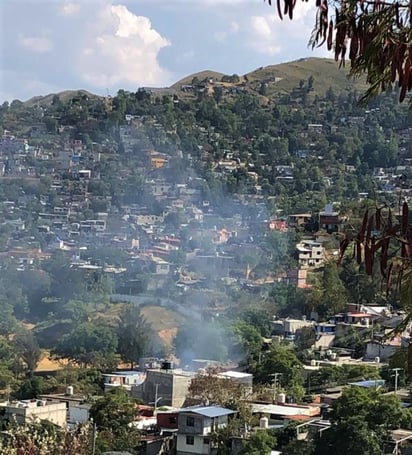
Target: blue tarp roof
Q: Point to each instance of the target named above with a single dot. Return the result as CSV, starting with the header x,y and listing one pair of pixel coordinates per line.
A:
x,y
370,383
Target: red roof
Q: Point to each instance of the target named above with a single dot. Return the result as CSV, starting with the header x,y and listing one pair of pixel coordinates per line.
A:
x,y
297,417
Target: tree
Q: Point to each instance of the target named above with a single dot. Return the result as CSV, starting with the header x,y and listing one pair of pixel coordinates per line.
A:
x,y
134,334
89,344
361,420
113,416
259,443
41,438
211,389
281,360
305,338
32,388
247,341
329,296
378,36
27,348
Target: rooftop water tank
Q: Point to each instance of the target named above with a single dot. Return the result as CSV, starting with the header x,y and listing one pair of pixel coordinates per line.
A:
x,y
263,422
69,390
281,398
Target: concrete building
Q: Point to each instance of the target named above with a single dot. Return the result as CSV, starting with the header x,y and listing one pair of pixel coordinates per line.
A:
x,y
239,377
124,379
195,427
310,254
29,410
329,220
168,386
290,326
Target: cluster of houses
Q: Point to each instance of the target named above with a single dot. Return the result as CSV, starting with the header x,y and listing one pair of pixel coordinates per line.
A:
x,y
169,423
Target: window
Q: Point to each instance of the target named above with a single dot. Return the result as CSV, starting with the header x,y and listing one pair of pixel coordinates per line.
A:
x,y
190,421
206,441
190,440
172,420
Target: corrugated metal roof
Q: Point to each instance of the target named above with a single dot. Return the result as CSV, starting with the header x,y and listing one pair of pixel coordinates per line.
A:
x,y
209,411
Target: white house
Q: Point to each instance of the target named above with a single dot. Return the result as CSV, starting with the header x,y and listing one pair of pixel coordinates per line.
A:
x,y
195,426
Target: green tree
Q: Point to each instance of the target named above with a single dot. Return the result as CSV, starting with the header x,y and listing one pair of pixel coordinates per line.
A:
x,y
89,344
305,338
27,349
281,360
41,437
260,443
328,297
247,341
113,416
361,420
33,387
134,334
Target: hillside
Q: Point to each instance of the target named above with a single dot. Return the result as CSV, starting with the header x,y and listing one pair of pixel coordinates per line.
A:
x,y
279,79
64,97
206,74
284,77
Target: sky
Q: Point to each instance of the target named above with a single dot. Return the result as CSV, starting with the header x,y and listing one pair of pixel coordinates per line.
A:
x,y
47,46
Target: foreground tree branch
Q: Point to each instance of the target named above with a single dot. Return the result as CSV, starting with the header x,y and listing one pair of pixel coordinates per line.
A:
x,y
375,36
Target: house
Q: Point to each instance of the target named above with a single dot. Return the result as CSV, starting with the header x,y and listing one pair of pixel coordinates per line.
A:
x,y
25,411
382,350
241,378
159,266
290,326
299,219
195,426
315,127
124,379
282,412
358,318
278,225
168,386
157,160
310,254
329,220
296,277
168,419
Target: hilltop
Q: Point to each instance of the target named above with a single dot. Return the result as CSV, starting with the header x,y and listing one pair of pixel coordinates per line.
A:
x,y
284,77
278,79
64,96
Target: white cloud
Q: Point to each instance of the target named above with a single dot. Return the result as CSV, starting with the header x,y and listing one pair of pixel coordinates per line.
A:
x,y
268,35
232,28
263,39
69,9
39,44
121,49
263,26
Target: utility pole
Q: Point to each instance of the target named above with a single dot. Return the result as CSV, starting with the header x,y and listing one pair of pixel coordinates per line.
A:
x,y
396,375
157,398
155,402
275,383
94,439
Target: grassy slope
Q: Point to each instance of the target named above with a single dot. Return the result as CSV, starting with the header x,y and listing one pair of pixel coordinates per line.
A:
x,y
326,73
64,96
281,78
